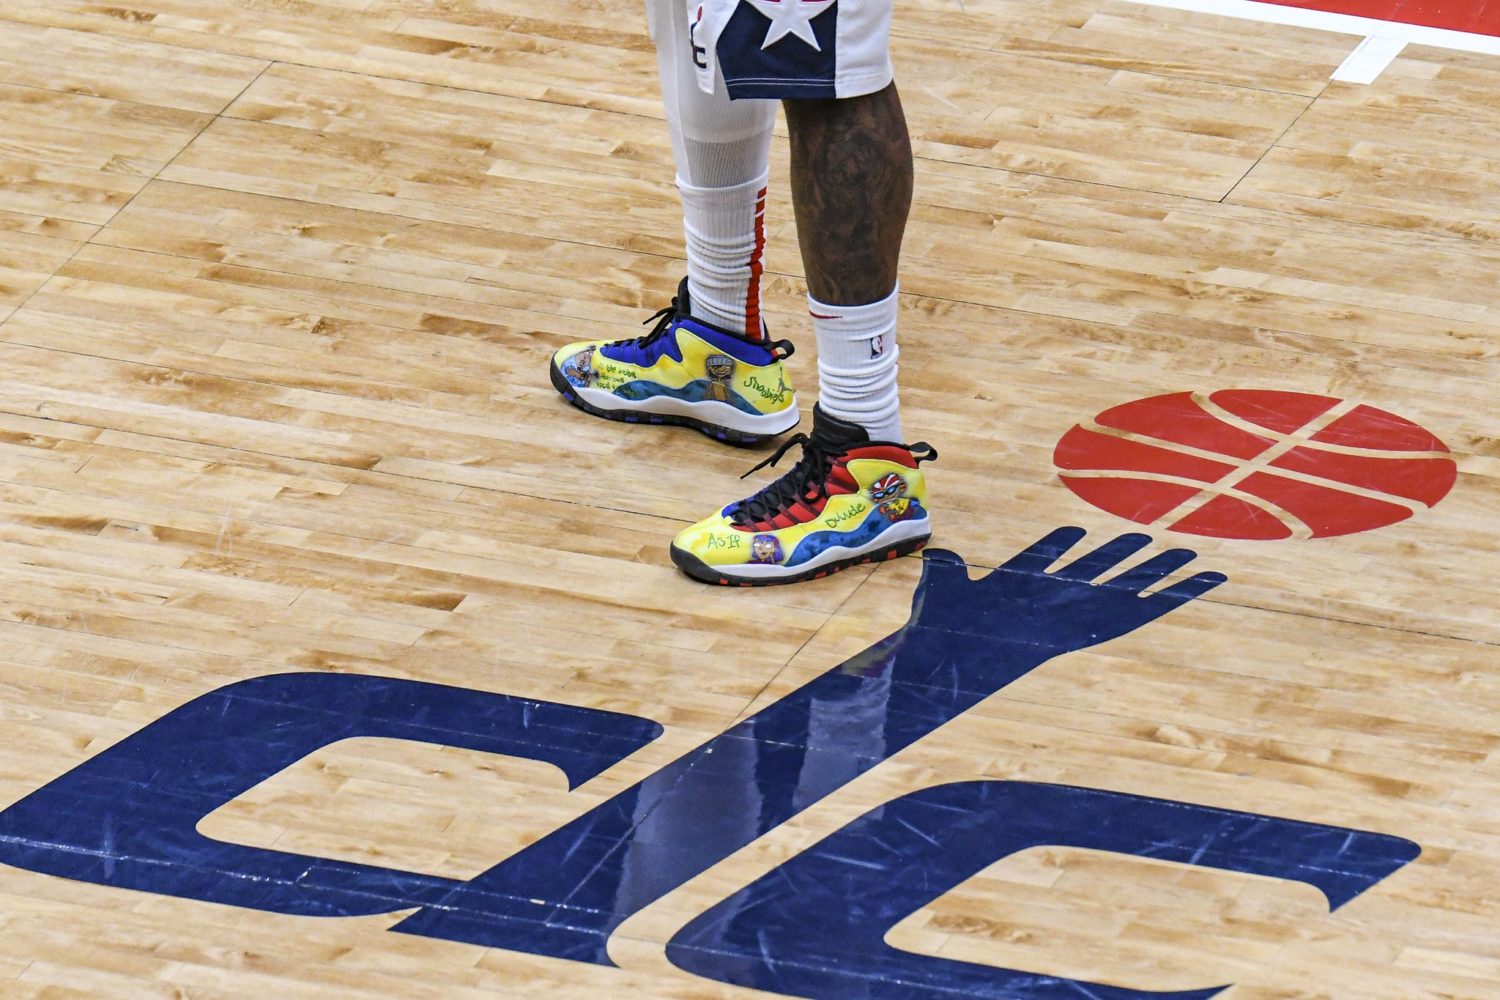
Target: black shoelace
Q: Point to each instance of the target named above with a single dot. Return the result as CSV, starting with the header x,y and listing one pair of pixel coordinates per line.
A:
x,y
663,318
805,481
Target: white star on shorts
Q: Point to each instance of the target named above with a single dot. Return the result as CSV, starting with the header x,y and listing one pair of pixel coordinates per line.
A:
x,y
791,17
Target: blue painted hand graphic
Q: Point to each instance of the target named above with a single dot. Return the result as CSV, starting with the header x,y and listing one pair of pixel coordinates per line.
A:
x,y
1060,611
981,634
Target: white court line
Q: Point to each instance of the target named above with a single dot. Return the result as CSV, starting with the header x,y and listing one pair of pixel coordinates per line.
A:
x,y
1369,59
1382,43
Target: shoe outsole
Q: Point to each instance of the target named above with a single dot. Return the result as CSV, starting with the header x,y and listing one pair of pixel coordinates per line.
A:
x,y
700,570
716,431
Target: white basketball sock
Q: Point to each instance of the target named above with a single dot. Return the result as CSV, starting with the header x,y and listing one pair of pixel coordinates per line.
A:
x,y
722,149
726,242
857,362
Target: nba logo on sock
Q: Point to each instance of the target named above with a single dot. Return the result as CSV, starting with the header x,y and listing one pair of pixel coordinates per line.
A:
x,y
877,345
1242,463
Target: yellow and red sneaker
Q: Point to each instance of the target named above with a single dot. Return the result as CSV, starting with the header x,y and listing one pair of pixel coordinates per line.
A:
x,y
684,371
847,501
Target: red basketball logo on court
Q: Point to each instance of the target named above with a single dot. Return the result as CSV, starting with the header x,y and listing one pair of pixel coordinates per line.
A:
x,y
1244,463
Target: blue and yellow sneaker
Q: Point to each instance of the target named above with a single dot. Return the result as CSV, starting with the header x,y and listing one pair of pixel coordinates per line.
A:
x,y
686,372
848,500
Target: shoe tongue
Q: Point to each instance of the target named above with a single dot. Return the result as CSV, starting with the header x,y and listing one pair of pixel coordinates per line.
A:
x,y
836,435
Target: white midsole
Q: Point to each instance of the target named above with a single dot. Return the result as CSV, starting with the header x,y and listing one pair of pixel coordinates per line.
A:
x,y
709,411
901,531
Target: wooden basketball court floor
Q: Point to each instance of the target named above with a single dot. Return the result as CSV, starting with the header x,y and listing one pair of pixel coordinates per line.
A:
x,y
278,284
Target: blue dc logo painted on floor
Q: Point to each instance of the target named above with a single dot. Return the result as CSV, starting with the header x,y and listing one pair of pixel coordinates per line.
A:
x,y
814,927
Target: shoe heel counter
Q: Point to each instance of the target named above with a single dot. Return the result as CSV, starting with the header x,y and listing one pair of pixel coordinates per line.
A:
x,y
767,387
916,482
884,480
916,488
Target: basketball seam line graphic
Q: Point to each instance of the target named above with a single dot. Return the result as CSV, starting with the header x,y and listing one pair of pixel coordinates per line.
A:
x,y
1190,451
1299,528
1323,447
1219,487
1206,403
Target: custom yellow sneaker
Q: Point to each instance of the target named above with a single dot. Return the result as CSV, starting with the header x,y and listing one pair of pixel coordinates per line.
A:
x,y
847,501
685,372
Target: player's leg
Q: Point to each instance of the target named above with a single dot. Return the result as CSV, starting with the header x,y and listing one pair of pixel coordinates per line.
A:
x,y
707,363
857,493
852,189
722,151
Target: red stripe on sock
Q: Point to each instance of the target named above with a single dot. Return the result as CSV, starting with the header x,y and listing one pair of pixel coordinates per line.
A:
x,y
752,293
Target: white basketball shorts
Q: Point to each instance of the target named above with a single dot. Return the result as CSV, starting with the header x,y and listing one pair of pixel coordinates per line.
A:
x,y
777,49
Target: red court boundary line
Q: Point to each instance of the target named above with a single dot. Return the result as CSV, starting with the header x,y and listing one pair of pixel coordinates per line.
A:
x,y
1368,60
1477,18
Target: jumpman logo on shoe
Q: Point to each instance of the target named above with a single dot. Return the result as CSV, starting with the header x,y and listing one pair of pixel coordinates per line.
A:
x,y
791,17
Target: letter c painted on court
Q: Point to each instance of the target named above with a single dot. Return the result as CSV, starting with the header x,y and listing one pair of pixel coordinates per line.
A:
x,y
128,817
816,926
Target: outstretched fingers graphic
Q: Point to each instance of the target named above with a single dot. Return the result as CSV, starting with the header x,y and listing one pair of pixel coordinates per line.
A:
x,y
1067,609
